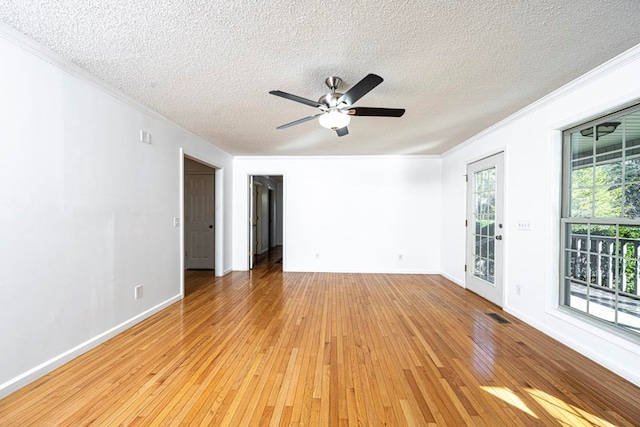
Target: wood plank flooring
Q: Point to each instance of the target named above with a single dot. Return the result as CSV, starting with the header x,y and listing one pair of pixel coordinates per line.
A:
x,y
267,348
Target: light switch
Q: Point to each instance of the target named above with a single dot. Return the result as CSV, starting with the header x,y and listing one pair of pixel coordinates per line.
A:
x,y
145,137
524,224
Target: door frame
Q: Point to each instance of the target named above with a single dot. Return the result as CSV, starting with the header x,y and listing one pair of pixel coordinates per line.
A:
x,y
500,255
250,208
273,210
218,206
252,222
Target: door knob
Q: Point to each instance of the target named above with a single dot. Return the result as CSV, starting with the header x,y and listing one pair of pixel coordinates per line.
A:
x,y
211,226
499,237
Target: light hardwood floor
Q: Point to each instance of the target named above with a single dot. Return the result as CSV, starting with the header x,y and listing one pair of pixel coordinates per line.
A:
x,y
267,348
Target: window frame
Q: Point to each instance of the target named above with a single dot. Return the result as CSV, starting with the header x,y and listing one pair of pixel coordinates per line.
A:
x,y
566,221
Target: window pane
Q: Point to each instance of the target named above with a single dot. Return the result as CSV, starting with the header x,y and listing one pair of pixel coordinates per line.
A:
x,y
480,268
492,246
602,304
478,244
478,179
607,271
632,170
581,203
602,246
632,200
593,270
578,296
632,129
603,230
609,139
490,180
629,259
609,173
578,236
629,312
581,146
578,267
608,202
582,177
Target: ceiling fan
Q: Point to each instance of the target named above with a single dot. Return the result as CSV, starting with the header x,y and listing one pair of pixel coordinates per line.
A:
x,y
337,108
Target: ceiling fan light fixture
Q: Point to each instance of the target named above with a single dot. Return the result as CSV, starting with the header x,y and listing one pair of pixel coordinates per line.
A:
x,y
334,120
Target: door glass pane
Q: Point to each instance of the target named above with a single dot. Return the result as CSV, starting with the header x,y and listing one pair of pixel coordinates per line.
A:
x,y
484,205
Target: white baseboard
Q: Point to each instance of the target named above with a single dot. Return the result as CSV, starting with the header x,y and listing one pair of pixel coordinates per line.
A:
x,y
591,353
358,271
453,279
59,360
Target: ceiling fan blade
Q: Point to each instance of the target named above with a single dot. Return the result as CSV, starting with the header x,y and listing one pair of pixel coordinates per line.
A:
x,y
379,112
342,131
295,98
297,122
360,89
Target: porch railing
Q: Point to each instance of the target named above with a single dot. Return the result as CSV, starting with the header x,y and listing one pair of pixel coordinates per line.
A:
x,y
594,260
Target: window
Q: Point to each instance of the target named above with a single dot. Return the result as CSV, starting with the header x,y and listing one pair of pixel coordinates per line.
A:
x,y
601,220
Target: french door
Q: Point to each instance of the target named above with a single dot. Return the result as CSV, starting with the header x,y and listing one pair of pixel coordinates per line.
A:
x,y
484,267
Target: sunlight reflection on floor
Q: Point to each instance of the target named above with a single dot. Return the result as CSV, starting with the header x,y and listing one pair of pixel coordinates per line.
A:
x,y
510,397
563,412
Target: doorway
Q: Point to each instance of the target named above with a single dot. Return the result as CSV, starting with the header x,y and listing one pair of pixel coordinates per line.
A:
x,y
265,219
484,260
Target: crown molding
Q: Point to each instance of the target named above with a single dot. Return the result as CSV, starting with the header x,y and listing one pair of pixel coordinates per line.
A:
x,y
589,77
343,157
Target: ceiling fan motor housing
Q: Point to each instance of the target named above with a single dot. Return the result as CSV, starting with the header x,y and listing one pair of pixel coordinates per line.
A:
x,y
330,99
333,82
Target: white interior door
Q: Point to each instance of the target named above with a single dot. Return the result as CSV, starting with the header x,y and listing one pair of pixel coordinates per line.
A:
x,y
199,221
485,228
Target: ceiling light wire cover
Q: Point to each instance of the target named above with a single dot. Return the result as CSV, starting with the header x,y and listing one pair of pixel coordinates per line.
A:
x,y
334,120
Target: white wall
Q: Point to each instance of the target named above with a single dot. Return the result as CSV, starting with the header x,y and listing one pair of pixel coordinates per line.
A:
x,y
357,214
87,210
532,144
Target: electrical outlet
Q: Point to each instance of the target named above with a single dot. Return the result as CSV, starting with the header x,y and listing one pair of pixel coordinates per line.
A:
x,y
176,221
137,292
518,290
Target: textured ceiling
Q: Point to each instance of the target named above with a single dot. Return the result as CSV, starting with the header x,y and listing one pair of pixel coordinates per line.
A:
x,y
456,66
